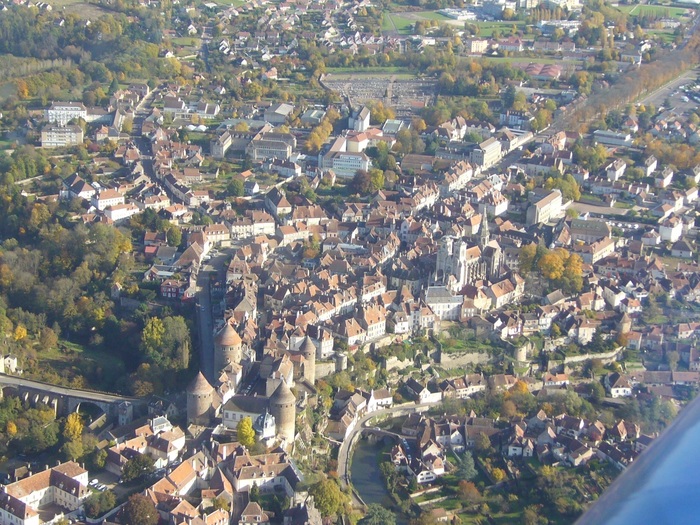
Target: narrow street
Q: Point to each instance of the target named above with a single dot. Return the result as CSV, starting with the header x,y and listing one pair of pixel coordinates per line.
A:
x,y
205,323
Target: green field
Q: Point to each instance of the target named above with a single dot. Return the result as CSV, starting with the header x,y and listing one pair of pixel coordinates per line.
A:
x,y
188,41
432,15
80,8
395,22
666,35
658,10
487,28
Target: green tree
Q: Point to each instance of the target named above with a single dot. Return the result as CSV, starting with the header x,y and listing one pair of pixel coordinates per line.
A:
x,y
377,179
482,443
465,467
72,450
328,497
378,515
672,359
246,434
137,467
235,188
254,493
140,511
222,503
527,258
174,235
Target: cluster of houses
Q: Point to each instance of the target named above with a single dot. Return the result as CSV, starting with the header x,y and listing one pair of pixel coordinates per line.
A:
x,y
561,440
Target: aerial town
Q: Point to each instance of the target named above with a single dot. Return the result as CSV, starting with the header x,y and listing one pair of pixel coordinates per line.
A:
x,y
316,262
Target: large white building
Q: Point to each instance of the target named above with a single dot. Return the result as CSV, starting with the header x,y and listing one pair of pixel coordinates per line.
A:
x,y
346,163
64,486
61,136
63,112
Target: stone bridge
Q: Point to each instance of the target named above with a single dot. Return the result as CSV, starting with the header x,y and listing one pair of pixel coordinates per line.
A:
x,y
62,399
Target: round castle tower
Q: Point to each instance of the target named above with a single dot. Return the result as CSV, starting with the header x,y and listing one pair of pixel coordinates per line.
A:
x,y
283,409
227,347
624,326
200,398
308,350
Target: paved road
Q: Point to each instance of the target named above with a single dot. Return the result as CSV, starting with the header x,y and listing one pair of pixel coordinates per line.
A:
x,y
206,327
103,397
658,96
344,454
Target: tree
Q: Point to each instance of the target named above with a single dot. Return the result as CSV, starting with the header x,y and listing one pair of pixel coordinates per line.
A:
x,y
99,503
152,336
377,179
20,333
672,359
527,257
328,497
235,188
531,516
72,450
466,470
551,265
221,503
362,182
73,427
246,434
139,511
482,443
48,338
498,474
137,467
468,491
378,515
174,236
254,493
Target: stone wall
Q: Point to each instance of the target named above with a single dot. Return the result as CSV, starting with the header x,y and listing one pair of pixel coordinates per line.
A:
x,y
455,360
607,357
324,368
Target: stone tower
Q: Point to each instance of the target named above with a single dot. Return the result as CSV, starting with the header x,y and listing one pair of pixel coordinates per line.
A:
x,y
484,233
283,409
624,326
200,398
227,347
308,350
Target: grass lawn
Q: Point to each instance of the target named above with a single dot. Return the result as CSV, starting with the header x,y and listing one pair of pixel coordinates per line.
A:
x,y
657,10
454,345
394,22
187,41
487,28
234,3
78,7
432,15
666,35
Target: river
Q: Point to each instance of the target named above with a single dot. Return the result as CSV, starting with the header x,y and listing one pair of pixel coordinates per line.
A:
x,y
367,478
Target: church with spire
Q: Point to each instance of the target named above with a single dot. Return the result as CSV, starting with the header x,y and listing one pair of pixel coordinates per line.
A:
x,y
467,260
